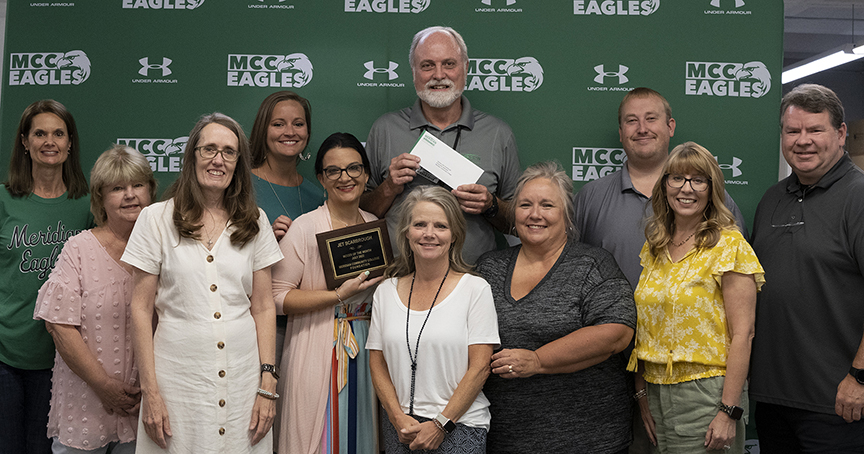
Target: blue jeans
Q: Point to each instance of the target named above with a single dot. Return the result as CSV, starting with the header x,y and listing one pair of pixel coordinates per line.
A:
x,y
25,399
788,430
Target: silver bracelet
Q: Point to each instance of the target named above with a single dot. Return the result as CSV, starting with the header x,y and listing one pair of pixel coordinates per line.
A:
x,y
337,295
267,394
640,394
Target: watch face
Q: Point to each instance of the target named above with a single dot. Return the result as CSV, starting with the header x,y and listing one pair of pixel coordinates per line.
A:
x,y
859,375
736,413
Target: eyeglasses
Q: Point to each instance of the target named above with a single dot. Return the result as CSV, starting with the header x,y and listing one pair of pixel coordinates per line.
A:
x,y
698,184
334,173
210,152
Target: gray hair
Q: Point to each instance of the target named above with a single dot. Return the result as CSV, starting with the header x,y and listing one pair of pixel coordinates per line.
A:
x,y
552,171
422,34
814,98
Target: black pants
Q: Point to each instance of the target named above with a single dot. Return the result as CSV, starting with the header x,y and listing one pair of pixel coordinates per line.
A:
x,y
787,430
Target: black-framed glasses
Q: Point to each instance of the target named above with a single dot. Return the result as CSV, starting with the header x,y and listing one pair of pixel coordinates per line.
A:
x,y
334,173
699,184
210,152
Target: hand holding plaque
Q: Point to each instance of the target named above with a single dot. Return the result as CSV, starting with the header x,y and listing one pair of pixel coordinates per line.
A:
x,y
345,253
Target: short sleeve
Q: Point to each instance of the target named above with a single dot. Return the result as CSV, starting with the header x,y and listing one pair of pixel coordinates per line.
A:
x,y
59,299
375,148
374,340
144,248
511,170
482,318
645,257
608,297
736,255
266,249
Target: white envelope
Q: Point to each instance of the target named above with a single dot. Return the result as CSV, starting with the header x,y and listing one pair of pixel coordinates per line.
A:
x,y
444,163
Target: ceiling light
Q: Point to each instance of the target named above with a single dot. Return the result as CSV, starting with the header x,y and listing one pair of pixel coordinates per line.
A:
x,y
821,62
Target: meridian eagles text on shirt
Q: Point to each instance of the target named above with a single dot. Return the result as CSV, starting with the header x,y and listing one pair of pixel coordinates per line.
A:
x,y
49,68
164,155
591,163
504,74
741,80
275,71
615,7
21,236
162,4
35,4
386,6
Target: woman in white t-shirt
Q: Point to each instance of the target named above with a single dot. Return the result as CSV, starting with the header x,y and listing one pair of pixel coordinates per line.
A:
x,y
433,331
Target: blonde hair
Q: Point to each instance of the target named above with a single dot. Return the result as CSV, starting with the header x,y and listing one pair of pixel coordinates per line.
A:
x,y
689,158
118,164
404,263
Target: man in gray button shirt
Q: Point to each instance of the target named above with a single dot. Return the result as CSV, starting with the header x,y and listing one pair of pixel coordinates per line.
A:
x,y
439,63
610,212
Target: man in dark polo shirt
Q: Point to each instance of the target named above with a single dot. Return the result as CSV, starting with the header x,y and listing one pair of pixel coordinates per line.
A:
x,y
808,354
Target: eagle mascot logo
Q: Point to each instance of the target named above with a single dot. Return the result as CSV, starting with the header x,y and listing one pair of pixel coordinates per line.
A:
x,y
79,63
176,146
757,71
649,7
192,4
531,67
300,63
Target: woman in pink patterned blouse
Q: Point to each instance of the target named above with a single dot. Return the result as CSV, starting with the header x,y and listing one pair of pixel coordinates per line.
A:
x,y
94,396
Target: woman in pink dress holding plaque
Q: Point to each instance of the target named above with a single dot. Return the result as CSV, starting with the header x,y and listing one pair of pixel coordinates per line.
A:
x,y
328,402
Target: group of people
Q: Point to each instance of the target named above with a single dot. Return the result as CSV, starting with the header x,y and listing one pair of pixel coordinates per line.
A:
x,y
201,322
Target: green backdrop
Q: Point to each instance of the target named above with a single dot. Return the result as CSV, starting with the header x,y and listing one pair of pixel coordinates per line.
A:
x,y
142,71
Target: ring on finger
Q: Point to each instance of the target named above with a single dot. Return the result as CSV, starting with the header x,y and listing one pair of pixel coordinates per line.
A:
x,y
511,368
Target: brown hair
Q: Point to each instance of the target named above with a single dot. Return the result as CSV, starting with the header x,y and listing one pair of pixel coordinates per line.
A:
x,y
20,179
641,93
258,137
239,199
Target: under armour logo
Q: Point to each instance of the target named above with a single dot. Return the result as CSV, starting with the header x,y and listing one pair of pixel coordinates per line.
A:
x,y
146,66
733,167
391,70
602,74
716,3
489,2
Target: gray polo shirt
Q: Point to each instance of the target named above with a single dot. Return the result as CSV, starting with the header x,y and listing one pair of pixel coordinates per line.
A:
x,y
485,140
610,213
810,315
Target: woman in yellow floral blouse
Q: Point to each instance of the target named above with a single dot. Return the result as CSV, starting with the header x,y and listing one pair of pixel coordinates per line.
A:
x,y
696,305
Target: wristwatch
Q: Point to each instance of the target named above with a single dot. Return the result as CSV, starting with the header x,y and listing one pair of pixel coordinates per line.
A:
x,y
858,374
734,412
492,211
444,424
270,368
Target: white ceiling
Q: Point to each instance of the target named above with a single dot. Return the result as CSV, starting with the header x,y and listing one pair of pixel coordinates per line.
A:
x,y
815,26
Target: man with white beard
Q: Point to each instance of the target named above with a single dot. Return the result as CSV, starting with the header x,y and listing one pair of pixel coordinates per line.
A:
x,y
439,64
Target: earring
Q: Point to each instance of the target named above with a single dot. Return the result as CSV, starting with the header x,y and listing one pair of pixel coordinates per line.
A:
x,y
305,155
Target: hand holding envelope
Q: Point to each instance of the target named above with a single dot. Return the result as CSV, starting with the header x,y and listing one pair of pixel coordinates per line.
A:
x,y
439,162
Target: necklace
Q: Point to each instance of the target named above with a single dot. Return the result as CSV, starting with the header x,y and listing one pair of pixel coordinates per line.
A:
x,y
685,240
299,196
209,231
413,357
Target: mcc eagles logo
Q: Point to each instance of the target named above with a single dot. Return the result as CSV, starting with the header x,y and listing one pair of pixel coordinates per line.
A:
x,y
277,71
49,68
504,74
